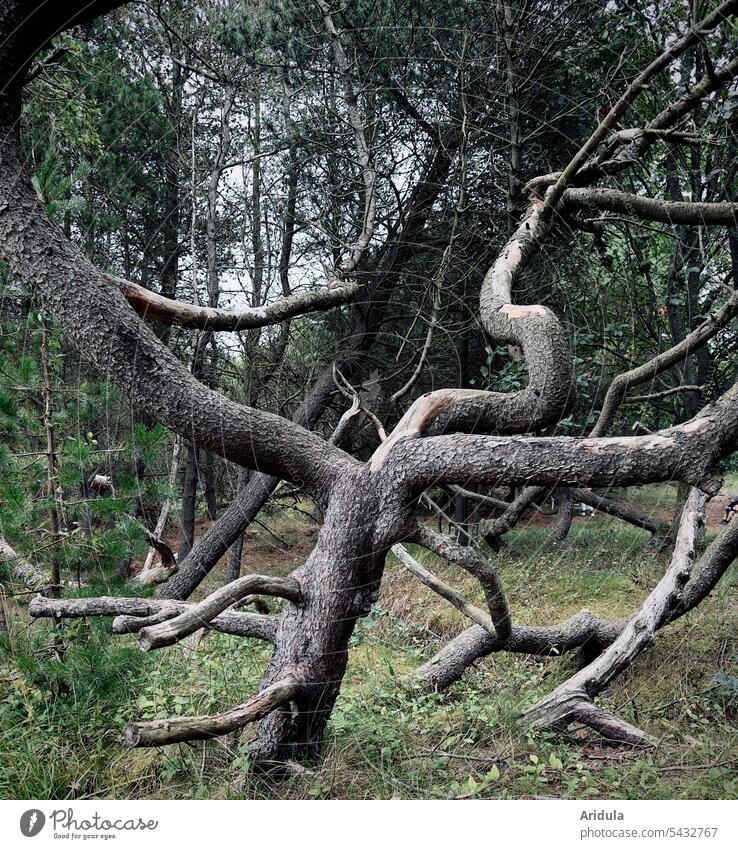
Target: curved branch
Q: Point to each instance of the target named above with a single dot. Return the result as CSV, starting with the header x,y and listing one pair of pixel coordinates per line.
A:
x,y
572,700
162,732
550,392
582,630
199,615
103,327
135,613
471,611
662,362
469,559
169,311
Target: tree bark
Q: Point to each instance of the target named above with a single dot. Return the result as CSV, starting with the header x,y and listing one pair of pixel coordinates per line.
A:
x,y
189,503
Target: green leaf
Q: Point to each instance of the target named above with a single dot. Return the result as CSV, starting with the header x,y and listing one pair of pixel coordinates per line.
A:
x,y
493,773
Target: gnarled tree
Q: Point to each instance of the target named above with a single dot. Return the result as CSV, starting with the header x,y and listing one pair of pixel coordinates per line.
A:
x,y
460,437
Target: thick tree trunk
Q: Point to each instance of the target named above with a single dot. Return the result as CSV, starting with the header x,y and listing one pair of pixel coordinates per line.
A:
x,y
340,582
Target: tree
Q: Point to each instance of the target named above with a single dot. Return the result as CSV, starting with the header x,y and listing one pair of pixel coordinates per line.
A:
x,y
453,436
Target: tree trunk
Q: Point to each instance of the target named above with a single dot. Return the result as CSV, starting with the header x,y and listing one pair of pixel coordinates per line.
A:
x,y
340,582
561,529
189,502
235,552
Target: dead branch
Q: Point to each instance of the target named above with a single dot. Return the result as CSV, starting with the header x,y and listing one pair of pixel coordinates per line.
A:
x,y
664,393
21,569
162,732
661,362
572,701
135,613
471,611
469,559
639,84
651,209
199,615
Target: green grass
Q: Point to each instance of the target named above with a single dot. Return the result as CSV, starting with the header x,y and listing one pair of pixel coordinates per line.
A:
x,y
60,723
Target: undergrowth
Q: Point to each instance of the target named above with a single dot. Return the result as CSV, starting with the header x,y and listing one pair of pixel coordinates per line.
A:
x,y
67,691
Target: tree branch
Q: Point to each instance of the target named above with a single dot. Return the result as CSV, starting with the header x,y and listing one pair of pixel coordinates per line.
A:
x,y
471,611
572,700
651,209
199,615
152,305
135,613
469,559
162,732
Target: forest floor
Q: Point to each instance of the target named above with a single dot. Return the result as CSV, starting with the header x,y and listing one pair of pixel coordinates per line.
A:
x,y
60,719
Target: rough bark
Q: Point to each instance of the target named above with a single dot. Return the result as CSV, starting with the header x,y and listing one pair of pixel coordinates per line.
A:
x,y
21,569
136,613
162,732
199,615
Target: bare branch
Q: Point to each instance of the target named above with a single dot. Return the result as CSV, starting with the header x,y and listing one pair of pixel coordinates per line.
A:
x,y
572,701
21,569
651,209
664,393
162,732
472,561
660,363
152,305
693,36
135,613
199,615
471,611
349,265
619,511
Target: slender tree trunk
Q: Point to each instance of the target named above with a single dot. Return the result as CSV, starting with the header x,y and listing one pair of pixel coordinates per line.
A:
x,y
235,552
51,493
564,518
189,501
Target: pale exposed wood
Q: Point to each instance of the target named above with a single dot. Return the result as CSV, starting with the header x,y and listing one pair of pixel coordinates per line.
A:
x,y
135,613
572,701
199,615
166,507
21,569
178,729
471,611
469,559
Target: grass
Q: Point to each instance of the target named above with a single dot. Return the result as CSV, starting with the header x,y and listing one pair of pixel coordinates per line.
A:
x,y
60,722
